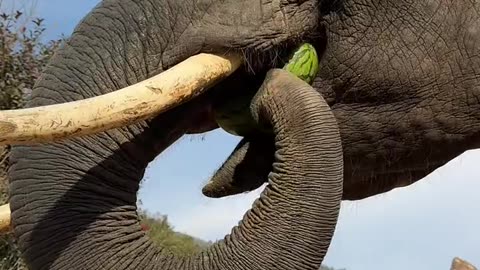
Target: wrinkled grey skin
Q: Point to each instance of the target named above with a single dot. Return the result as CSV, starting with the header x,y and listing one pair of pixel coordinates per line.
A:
x,y
399,76
74,202
402,78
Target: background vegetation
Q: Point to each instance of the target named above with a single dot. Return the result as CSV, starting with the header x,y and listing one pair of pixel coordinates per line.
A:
x,y
23,55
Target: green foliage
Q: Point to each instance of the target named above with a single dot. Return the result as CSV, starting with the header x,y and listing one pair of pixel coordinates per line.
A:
x,y
163,235
10,255
23,55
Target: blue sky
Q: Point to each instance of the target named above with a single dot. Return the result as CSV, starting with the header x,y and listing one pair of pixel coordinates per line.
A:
x,y
424,225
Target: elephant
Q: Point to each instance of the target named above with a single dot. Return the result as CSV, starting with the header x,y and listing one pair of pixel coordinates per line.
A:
x,y
396,97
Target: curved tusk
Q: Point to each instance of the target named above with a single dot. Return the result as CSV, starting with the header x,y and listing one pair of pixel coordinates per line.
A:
x,y
137,102
4,218
126,106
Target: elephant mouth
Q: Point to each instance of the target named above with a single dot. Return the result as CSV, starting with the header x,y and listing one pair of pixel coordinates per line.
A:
x,y
138,102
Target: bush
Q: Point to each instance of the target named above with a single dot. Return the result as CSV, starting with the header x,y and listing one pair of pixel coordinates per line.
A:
x,y
23,55
162,234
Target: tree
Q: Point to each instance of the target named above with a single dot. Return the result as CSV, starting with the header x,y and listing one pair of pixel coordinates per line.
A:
x,y
23,55
162,234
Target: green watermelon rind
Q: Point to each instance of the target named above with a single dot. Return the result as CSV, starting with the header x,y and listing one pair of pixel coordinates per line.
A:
x,y
304,63
235,118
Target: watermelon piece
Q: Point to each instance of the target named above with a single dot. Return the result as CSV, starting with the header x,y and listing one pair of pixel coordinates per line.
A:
x,y
234,115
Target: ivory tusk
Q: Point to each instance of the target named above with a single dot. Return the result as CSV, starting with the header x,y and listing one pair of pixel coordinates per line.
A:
x,y
5,218
126,106
137,102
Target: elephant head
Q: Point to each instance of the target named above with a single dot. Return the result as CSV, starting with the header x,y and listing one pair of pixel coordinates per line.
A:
x,y
398,77
401,78
73,201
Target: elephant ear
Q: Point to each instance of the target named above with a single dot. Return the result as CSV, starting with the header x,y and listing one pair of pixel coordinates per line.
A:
x,y
246,168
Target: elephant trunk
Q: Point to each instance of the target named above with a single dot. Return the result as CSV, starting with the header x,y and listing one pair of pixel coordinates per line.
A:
x,y
74,202
290,226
